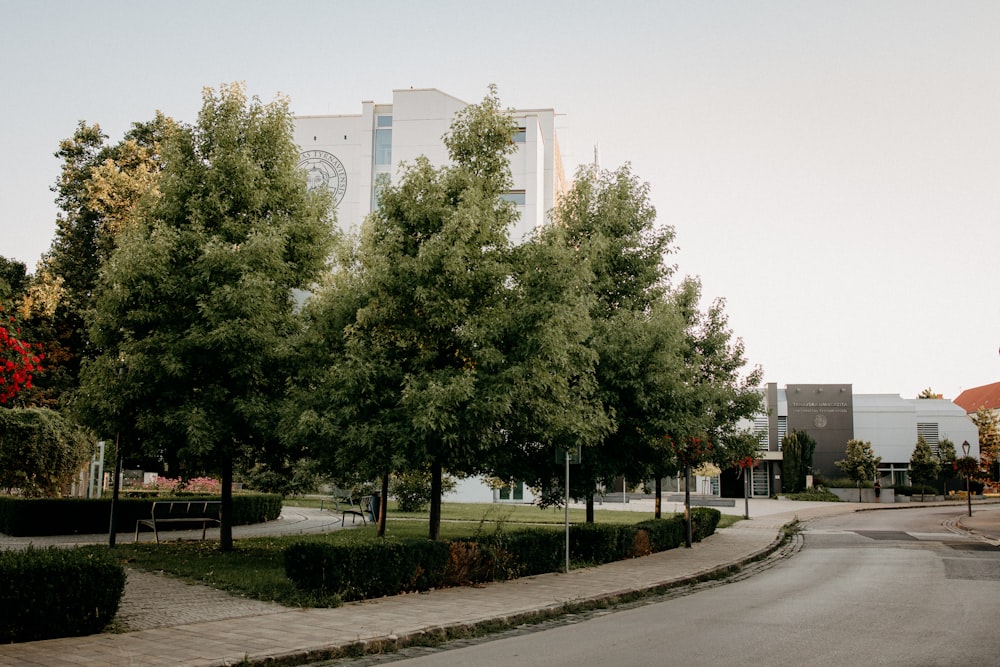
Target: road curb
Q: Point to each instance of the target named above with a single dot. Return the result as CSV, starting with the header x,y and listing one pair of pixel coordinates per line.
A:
x,y
437,635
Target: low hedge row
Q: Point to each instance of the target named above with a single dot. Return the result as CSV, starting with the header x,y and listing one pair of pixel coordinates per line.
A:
x,y
388,567
30,517
54,592
915,490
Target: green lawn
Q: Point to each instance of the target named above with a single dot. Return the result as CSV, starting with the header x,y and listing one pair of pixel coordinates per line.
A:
x,y
255,567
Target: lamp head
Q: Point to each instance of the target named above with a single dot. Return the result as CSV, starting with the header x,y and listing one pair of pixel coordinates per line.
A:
x,y
965,447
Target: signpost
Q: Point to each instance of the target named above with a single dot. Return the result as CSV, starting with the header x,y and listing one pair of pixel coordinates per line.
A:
x,y
568,456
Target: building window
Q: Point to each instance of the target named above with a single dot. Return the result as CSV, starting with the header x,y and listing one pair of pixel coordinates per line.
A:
x,y
383,146
516,197
520,135
512,491
383,121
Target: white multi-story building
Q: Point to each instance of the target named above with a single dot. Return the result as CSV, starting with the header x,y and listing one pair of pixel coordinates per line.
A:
x,y
353,154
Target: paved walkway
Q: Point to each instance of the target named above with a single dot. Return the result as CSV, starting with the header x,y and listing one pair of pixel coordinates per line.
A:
x,y
173,623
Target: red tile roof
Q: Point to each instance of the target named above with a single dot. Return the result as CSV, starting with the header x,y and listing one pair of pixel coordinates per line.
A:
x,y
987,396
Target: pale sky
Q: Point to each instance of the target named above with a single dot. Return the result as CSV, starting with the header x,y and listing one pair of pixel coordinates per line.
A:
x,y
832,169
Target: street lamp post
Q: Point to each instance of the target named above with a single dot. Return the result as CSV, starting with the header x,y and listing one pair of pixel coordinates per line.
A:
x,y
968,495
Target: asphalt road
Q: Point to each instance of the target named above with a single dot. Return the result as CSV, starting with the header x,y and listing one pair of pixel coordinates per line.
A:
x,y
879,588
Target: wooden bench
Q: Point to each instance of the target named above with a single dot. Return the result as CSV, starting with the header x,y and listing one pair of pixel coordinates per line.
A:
x,y
178,512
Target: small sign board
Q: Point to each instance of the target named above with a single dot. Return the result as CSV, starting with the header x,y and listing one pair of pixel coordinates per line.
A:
x,y
575,454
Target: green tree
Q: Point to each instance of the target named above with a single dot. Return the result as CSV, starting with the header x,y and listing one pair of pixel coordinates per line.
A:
x,y
947,457
797,462
988,423
791,462
636,336
861,464
924,465
40,451
102,189
194,309
418,319
13,279
714,394
550,369
742,452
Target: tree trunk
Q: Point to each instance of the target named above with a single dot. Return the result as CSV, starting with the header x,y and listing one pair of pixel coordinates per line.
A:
x,y
658,498
687,506
435,518
115,486
746,493
590,508
383,504
226,508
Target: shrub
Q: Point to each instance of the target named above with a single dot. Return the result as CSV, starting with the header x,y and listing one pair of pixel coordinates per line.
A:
x,y
53,592
815,495
470,562
704,522
40,451
72,516
412,489
532,551
367,570
386,567
600,542
664,534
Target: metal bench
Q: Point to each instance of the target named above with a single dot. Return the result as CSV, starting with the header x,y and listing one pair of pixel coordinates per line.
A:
x,y
345,504
179,512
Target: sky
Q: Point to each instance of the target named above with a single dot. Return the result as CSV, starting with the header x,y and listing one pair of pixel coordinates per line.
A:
x,y
831,169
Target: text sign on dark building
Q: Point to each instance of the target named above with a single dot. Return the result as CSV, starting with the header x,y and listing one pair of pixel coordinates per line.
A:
x,y
825,412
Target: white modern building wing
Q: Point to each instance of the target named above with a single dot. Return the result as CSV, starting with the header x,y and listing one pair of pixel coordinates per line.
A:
x,y
352,154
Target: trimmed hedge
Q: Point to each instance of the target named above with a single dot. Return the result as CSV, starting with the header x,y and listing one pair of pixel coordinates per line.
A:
x,y
389,567
531,551
31,517
54,592
704,522
367,570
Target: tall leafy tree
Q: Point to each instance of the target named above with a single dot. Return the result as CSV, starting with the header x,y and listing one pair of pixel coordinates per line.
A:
x,y
101,190
924,465
988,423
13,279
860,463
797,450
423,381
610,223
713,395
551,366
946,456
195,305
791,462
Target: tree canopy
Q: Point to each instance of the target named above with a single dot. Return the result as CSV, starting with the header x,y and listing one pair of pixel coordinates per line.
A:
x,y
194,307
924,465
860,464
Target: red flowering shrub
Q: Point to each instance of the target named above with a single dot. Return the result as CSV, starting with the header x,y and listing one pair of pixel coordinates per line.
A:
x,y
17,360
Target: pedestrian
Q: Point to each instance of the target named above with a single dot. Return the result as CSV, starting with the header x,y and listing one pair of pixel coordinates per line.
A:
x,y
878,490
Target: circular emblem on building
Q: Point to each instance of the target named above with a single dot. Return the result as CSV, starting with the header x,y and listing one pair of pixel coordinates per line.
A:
x,y
819,421
325,170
